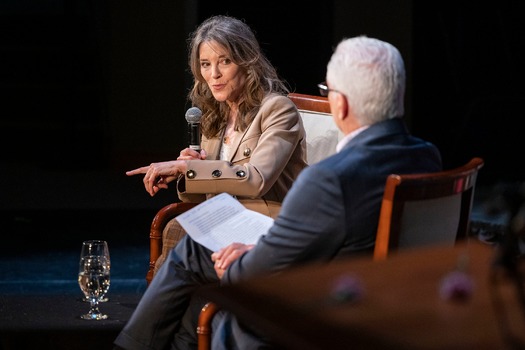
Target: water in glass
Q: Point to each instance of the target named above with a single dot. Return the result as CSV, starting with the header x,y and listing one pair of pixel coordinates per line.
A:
x,y
94,276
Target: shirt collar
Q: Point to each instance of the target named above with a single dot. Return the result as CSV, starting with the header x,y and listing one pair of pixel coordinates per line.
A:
x,y
344,141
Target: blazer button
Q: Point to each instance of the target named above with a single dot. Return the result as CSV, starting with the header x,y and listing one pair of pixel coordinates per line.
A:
x,y
247,152
216,173
240,173
191,174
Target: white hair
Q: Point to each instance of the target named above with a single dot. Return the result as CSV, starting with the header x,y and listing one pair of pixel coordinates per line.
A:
x,y
371,74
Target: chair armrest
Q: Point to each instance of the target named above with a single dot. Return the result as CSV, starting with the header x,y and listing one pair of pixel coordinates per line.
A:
x,y
204,325
157,226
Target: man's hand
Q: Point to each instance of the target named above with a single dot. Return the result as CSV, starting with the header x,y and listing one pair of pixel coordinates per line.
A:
x,y
225,256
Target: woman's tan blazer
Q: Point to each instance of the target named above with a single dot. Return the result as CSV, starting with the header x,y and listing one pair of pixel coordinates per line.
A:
x,y
263,162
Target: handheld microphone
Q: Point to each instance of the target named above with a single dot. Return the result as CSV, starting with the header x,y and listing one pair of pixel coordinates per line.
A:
x,y
193,117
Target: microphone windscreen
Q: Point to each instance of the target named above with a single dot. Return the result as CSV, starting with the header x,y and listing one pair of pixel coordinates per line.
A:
x,y
193,115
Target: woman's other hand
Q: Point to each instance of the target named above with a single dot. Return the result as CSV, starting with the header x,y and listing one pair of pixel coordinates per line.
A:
x,y
191,154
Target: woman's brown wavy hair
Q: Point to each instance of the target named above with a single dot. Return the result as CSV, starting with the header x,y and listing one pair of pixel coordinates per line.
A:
x,y
244,50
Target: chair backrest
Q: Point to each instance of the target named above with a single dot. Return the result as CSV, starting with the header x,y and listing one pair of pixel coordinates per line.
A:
x,y
322,134
424,209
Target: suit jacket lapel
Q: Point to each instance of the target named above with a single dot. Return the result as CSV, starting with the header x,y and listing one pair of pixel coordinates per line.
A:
x,y
236,144
213,146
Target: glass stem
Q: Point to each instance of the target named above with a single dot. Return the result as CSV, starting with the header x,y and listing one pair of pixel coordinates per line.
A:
x,y
94,306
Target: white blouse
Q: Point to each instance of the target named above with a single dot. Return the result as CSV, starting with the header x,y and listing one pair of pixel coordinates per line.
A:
x,y
226,146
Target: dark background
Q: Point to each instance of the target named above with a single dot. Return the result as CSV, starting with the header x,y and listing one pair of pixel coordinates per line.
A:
x,y
91,88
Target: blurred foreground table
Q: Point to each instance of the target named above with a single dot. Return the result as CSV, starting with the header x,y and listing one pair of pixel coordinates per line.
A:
x,y
400,308
53,322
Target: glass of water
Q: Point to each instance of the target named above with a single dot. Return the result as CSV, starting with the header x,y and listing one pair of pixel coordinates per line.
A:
x,y
94,276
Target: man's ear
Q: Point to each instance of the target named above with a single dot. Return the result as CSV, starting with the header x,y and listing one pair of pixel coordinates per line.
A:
x,y
341,106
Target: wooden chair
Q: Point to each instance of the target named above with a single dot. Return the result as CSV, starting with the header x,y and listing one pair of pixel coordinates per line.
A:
x,y
424,209
322,136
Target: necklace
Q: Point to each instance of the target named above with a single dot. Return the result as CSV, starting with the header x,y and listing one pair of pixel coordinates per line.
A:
x,y
229,133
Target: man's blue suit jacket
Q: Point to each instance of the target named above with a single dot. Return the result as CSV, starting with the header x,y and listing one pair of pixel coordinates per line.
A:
x,y
333,207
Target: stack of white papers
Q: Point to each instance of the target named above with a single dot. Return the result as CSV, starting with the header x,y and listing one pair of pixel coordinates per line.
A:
x,y
222,220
